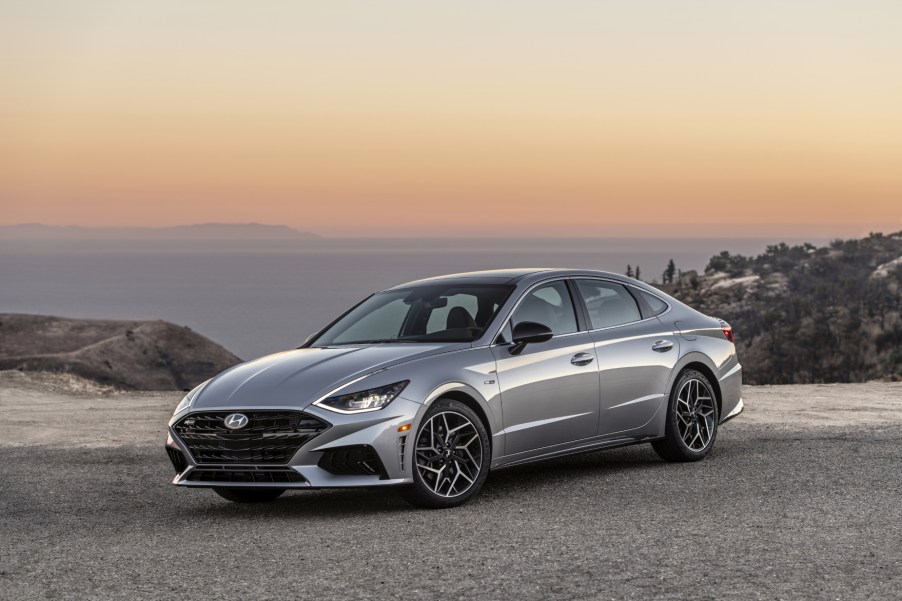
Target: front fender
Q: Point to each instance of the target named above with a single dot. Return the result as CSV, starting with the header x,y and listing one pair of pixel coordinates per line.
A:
x,y
494,421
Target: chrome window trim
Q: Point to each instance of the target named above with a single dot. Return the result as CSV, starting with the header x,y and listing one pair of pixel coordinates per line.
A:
x,y
493,341
621,325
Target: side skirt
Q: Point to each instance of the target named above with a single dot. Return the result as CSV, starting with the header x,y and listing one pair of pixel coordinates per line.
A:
x,y
577,450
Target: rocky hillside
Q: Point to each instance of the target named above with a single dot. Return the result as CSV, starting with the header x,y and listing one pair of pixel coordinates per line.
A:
x,y
803,314
130,355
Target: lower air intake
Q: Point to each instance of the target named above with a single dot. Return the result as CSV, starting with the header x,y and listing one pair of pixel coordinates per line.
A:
x,y
177,459
360,460
246,476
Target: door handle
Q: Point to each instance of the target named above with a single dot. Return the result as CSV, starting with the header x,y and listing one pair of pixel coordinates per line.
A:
x,y
662,346
582,359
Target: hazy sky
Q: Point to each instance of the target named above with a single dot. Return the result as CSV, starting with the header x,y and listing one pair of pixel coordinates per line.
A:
x,y
387,118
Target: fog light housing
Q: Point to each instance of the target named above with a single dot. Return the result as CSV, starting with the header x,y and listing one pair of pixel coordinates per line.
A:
x,y
358,460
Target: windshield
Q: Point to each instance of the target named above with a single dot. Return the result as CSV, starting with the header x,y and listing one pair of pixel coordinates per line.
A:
x,y
439,313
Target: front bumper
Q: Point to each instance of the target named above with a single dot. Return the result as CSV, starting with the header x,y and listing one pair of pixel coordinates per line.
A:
x,y
376,430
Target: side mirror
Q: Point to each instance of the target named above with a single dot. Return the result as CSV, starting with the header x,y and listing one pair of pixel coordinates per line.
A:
x,y
529,332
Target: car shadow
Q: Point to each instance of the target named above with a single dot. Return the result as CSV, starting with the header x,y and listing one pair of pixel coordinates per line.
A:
x,y
507,484
608,461
334,502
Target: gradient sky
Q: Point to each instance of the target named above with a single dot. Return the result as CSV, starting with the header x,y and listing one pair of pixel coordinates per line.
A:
x,y
411,118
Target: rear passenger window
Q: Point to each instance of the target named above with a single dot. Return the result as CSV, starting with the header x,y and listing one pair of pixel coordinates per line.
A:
x,y
609,304
654,303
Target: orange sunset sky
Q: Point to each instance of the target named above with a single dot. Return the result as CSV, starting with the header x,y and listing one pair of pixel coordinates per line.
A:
x,y
390,118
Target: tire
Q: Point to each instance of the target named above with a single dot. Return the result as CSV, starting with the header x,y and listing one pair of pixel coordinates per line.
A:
x,y
249,495
451,457
692,419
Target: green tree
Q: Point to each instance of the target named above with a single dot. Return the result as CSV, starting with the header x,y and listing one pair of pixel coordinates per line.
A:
x,y
629,271
638,273
669,273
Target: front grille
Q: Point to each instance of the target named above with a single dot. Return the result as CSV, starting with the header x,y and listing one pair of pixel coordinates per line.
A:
x,y
177,459
360,460
271,437
247,476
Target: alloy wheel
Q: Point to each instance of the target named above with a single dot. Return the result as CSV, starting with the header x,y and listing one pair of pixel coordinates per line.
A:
x,y
695,413
448,454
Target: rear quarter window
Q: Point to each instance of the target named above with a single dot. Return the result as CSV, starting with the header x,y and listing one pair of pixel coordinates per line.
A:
x,y
655,304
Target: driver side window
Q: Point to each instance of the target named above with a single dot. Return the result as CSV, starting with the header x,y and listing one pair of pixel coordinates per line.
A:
x,y
549,305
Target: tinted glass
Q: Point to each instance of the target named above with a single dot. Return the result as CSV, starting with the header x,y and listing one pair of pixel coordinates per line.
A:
x,y
609,304
440,313
654,303
549,305
382,322
462,307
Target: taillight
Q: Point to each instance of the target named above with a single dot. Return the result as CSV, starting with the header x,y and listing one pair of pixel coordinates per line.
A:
x,y
727,332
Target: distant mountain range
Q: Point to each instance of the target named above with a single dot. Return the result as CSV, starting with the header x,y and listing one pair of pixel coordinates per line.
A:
x,y
201,231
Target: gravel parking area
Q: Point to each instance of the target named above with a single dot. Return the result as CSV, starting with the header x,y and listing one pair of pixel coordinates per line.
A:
x,y
801,498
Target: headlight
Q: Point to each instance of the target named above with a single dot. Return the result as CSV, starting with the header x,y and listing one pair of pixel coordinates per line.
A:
x,y
189,398
365,400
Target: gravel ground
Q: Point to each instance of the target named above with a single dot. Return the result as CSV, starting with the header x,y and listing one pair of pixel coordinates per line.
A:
x,y
801,498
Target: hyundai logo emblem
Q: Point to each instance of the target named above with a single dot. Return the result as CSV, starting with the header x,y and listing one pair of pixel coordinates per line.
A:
x,y
235,421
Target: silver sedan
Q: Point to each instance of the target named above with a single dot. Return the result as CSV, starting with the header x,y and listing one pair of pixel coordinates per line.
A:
x,y
429,385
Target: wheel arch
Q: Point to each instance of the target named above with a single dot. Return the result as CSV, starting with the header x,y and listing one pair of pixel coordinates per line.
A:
x,y
699,365
469,397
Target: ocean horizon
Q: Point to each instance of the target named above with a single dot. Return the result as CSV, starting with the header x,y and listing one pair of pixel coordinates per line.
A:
x,y
257,297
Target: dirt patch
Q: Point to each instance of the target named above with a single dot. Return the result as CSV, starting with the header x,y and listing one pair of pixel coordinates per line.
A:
x,y
61,410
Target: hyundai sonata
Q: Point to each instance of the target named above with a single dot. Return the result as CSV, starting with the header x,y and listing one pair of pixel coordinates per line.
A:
x,y
429,385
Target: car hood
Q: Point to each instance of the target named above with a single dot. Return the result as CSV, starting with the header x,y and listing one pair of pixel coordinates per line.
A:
x,y
299,377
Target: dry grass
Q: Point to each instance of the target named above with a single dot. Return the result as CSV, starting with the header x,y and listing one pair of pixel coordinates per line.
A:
x,y
56,381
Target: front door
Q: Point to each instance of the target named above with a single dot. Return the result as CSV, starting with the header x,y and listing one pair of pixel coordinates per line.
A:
x,y
550,391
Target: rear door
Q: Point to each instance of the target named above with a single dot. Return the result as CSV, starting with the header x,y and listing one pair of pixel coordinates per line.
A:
x,y
636,354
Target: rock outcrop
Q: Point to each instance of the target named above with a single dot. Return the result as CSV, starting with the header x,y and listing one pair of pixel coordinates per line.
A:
x,y
129,355
805,315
